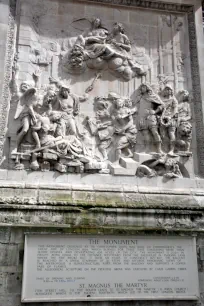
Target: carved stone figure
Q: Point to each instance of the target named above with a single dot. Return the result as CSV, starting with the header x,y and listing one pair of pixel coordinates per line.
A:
x,y
119,47
26,97
172,169
163,166
101,49
55,148
102,127
89,47
49,100
94,39
168,120
45,131
184,130
124,125
68,104
150,105
27,115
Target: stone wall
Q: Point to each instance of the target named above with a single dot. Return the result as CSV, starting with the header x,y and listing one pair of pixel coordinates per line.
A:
x,y
97,203
11,261
82,207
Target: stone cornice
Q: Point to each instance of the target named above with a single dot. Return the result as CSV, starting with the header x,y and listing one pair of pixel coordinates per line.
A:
x,y
158,5
22,195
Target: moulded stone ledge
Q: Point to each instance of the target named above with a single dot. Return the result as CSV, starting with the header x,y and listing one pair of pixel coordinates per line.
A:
x,y
29,197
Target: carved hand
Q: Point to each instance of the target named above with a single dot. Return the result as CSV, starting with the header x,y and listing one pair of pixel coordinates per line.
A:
x,y
37,73
119,131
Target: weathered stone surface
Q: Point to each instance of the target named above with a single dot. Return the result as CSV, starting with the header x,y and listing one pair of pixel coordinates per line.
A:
x,y
171,35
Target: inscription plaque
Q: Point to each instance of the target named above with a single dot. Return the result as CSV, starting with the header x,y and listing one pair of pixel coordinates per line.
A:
x,y
81,268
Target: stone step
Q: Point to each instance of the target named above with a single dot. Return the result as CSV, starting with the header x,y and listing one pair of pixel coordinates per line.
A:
x,y
129,163
116,169
142,157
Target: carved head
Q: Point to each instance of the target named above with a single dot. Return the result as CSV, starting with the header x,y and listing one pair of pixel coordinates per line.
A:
x,y
128,102
113,96
145,88
101,104
96,23
55,116
184,96
25,86
168,91
118,28
170,164
64,91
31,96
185,129
116,99
120,103
50,97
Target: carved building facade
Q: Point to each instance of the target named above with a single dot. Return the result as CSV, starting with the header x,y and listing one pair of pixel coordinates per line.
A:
x,y
101,123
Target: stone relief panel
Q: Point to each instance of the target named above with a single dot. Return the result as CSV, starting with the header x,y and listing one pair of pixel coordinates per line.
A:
x,y
103,89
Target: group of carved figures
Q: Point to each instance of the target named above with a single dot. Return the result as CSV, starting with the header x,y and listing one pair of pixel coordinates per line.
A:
x,y
49,135
98,48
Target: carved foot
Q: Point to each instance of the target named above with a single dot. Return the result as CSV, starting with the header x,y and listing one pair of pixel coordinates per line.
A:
x,y
172,154
171,175
104,171
157,154
19,167
35,165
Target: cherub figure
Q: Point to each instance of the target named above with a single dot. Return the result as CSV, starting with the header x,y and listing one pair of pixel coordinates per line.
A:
x,y
124,125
